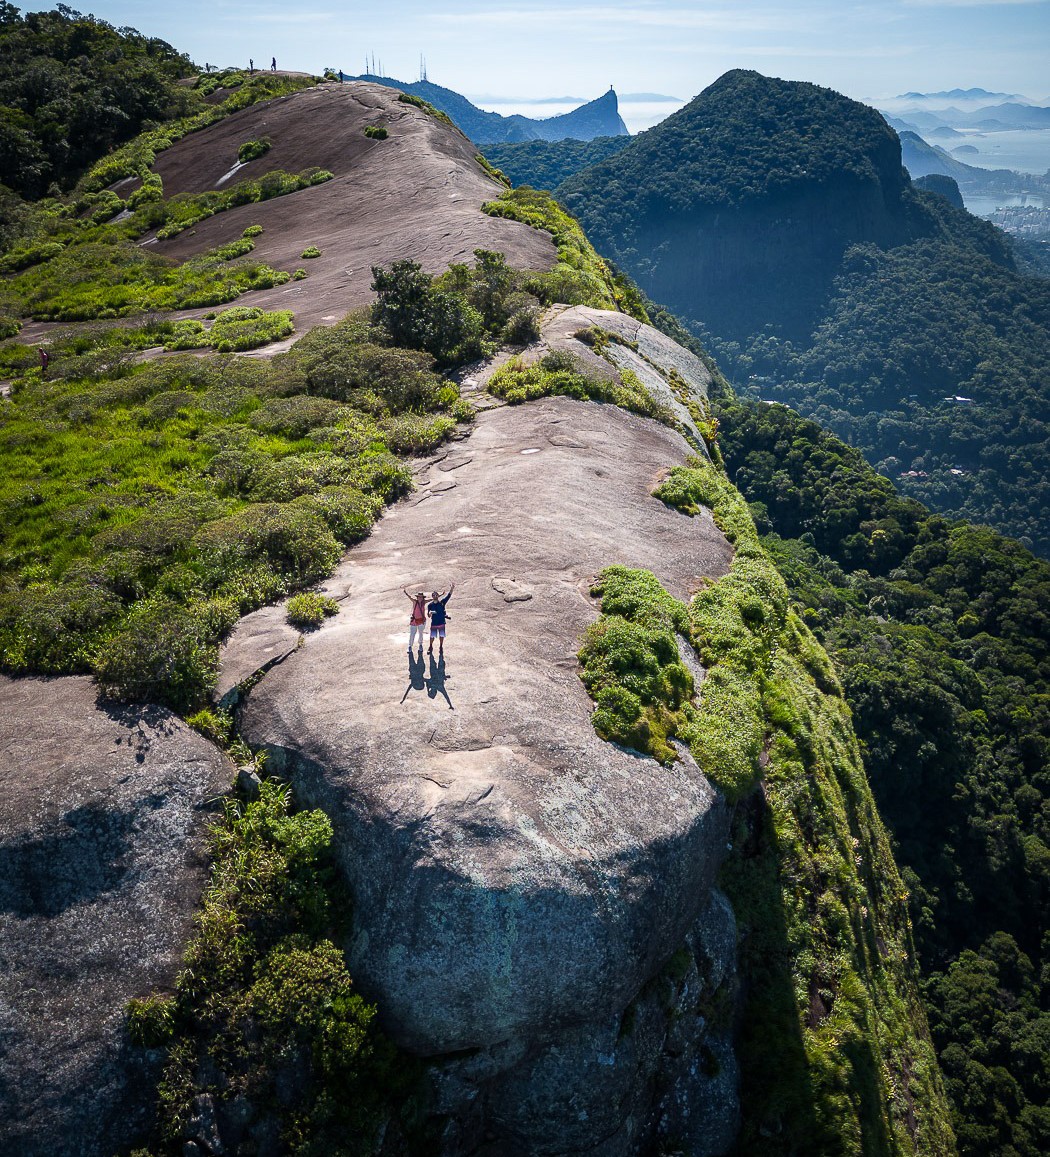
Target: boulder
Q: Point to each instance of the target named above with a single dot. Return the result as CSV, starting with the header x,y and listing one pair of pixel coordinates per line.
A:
x,y
102,862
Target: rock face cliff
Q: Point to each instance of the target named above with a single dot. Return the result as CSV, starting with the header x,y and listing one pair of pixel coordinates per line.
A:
x,y
101,869
533,907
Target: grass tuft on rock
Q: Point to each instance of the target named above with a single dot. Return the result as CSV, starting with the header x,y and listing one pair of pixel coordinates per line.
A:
x,y
310,609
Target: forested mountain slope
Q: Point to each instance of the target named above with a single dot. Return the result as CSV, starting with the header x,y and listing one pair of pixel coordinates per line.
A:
x,y
776,217
940,633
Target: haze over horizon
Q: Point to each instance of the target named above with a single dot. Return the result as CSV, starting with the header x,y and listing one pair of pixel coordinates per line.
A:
x,y
543,48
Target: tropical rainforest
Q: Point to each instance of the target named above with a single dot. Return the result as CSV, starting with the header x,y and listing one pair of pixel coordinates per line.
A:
x,y
939,631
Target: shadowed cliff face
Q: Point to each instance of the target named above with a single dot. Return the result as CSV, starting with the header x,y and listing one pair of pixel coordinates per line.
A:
x,y
736,268
737,209
101,868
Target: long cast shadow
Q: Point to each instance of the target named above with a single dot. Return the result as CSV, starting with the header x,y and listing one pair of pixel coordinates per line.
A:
x,y
436,680
416,674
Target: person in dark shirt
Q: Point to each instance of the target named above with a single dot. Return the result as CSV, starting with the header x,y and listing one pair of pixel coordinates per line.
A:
x,y
436,609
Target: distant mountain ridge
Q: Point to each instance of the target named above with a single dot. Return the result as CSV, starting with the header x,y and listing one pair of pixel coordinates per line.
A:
x,y
597,118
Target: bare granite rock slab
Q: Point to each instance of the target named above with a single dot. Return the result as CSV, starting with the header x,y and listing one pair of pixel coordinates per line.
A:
x,y
102,831
259,640
514,875
673,375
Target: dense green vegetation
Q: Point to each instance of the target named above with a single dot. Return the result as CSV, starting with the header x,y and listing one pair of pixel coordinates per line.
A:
x,y
580,277
905,333
264,1021
148,505
545,164
746,137
940,635
559,373
72,87
833,1047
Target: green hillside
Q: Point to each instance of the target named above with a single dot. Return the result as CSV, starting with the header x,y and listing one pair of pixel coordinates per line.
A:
x,y
775,217
546,164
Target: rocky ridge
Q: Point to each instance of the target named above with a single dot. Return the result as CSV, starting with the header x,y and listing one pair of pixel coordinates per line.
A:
x,y
520,885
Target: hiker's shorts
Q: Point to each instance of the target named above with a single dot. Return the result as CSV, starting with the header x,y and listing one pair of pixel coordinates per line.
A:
x,y
437,630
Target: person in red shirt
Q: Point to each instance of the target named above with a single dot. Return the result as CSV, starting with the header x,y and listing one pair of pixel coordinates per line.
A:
x,y
417,622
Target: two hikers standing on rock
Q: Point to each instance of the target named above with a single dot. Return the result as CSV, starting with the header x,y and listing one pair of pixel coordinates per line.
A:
x,y
417,622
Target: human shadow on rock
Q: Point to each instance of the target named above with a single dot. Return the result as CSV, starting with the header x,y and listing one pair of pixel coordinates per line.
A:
x,y
436,680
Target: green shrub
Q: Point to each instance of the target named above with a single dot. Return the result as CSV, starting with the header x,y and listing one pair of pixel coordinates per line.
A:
x,y
295,416
244,328
581,277
559,372
9,326
631,664
49,629
250,150
253,231
23,258
493,172
426,106
310,609
150,1021
311,251
291,540
348,513
298,275
375,132
164,653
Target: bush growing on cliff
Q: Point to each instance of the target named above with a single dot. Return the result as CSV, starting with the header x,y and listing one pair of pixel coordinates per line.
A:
x,y
276,997
251,150
559,373
310,609
832,1024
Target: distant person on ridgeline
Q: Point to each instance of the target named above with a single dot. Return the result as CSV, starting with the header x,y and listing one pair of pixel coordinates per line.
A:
x,y
273,64
45,357
340,76
417,623
251,66
438,617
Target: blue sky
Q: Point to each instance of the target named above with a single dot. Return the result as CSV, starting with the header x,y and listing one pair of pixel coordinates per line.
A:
x,y
540,48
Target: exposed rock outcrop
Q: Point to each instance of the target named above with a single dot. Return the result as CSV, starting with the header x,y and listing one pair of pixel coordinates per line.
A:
x,y
101,868
518,882
415,195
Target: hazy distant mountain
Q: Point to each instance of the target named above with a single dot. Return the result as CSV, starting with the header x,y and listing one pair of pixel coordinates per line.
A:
x,y
598,118
957,94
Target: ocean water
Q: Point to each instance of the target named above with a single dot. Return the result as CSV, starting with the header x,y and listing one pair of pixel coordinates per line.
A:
x,y
1026,150
636,115
985,206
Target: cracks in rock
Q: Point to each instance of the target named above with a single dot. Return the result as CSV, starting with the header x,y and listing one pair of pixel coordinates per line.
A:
x,y
242,690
